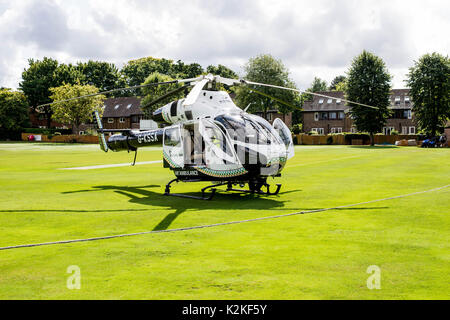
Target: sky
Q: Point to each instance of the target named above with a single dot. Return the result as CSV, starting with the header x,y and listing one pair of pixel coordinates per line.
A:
x,y
312,38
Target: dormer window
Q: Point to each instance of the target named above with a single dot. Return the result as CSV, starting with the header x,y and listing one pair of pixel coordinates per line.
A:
x,y
338,101
117,106
320,101
129,106
330,101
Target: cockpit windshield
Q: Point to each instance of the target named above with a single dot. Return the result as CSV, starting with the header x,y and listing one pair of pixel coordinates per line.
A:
x,y
248,129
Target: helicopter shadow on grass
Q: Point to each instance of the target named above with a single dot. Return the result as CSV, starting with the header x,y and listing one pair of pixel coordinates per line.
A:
x,y
141,195
230,201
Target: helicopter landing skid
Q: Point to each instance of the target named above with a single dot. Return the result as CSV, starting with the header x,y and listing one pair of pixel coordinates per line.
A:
x,y
267,192
203,197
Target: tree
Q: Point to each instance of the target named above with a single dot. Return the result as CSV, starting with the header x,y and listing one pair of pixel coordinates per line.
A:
x,y
267,69
102,75
334,83
221,70
75,112
429,82
153,92
368,82
40,76
182,70
13,110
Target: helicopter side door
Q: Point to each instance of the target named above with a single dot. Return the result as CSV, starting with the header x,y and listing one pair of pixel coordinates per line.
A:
x,y
220,157
285,135
173,150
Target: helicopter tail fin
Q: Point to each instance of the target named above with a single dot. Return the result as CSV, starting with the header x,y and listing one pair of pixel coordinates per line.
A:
x,y
101,134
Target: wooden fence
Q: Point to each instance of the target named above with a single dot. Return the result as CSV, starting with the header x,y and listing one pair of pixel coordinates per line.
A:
x,y
340,139
71,138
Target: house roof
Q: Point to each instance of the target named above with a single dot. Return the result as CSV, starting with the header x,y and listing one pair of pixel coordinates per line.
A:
x,y
122,107
399,100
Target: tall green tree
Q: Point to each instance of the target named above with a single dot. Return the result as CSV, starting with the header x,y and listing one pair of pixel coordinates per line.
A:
x,y
102,75
266,69
75,112
221,70
151,93
135,72
429,83
368,82
335,82
13,110
182,70
40,76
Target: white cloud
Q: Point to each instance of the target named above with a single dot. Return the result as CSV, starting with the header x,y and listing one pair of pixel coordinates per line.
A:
x,y
313,38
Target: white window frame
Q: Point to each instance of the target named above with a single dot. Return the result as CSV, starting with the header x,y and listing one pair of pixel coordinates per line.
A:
x,y
269,116
338,101
316,116
320,101
412,130
110,120
330,113
409,114
319,131
330,101
404,130
387,130
121,120
336,130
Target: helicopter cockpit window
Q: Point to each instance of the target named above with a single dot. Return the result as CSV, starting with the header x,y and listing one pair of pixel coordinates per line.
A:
x,y
247,130
172,137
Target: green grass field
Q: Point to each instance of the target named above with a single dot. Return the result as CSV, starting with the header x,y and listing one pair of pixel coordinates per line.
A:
x,y
321,255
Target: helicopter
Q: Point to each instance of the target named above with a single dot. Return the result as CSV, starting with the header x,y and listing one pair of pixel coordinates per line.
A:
x,y
206,137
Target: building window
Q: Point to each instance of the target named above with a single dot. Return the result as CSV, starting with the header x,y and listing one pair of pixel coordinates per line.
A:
x,y
269,117
387,130
407,99
316,116
110,120
397,100
318,130
333,115
117,106
353,130
409,114
121,120
336,130
330,101
320,101
338,101
412,130
341,115
324,116
404,130
129,106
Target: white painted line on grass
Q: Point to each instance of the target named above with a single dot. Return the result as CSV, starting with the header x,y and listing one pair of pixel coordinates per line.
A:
x,y
111,165
222,223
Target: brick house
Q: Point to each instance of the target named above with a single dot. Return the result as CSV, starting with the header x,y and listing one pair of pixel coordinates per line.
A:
x,y
326,115
122,113
271,115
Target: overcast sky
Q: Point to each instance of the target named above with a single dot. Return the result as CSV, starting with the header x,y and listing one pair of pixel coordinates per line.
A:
x,y
312,38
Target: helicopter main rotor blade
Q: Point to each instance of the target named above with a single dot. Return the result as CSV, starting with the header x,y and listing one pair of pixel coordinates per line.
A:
x,y
273,98
168,94
307,92
122,89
